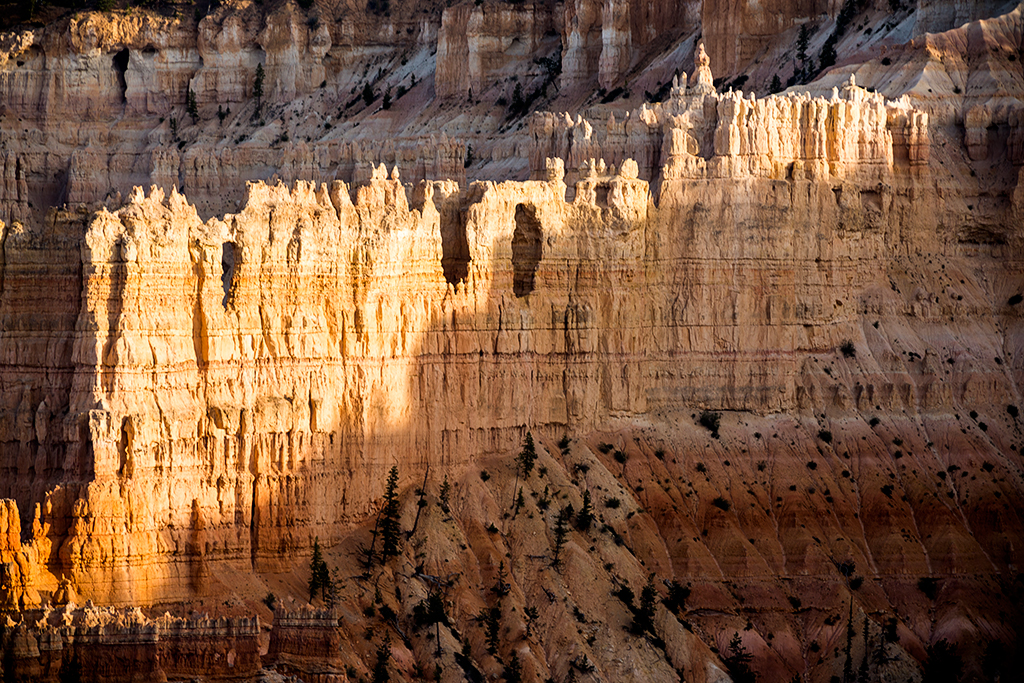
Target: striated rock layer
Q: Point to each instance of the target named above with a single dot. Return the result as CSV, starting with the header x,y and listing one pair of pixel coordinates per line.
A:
x,y
196,397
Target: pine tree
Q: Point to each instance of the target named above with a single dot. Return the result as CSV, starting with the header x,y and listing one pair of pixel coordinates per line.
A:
x,y
561,531
531,618
390,530
315,573
801,44
513,670
445,496
380,668
776,86
586,514
192,106
863,674
527,456
492,626
738,661
257,89
643,617
430,612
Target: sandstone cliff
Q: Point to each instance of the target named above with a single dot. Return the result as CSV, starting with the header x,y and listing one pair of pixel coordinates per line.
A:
x,y
231,389
776,340
93,104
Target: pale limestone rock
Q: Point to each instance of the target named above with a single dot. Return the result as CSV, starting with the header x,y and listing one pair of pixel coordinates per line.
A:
x,y
702,82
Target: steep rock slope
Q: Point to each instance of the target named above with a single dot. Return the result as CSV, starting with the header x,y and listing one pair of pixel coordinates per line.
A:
x,y
233,389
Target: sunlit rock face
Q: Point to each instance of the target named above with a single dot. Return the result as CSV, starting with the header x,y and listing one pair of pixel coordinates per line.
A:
x,y
782,333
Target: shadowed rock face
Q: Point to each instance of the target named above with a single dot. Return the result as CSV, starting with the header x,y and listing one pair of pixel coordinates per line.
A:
x,y
236,387
832,282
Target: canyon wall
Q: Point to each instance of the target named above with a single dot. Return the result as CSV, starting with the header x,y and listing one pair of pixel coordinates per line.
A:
x,y
202,397
203,378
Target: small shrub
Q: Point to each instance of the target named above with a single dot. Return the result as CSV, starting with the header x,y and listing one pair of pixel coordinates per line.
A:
x,y
677,596
825,435
886,61
620,457
701,468
1012,411
484,475
887,490
563,443
721,503
874,422
270,601
491,528
848,349
612,503
929,586
711,420
811,465
605,448
856,582
794,602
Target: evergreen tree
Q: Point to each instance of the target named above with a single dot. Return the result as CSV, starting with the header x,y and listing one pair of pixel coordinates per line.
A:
x,y
944,664
430,612
828,56
862,674
192,106
531,618
586,514
776,86
527,456
257,89
368,95
561,531
315,575
513,670
738,661
492,626
390,530
445,496
643,616
380,668
801,44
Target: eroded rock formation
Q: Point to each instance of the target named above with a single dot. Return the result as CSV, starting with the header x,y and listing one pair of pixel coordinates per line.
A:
x,y
776,339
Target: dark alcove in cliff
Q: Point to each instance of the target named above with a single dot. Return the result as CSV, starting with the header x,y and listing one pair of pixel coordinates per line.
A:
x,y
227,276
120,66
526,249
454,245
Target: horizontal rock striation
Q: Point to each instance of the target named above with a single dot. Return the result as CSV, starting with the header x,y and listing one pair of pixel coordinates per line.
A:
x,y
124,645
231,388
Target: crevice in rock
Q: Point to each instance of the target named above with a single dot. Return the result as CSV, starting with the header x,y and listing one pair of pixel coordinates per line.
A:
x,y
526,249
120,67
454,245
227,276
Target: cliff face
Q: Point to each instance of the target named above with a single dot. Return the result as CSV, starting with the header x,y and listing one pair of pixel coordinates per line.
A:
x,y
199,400
93,104
776,340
